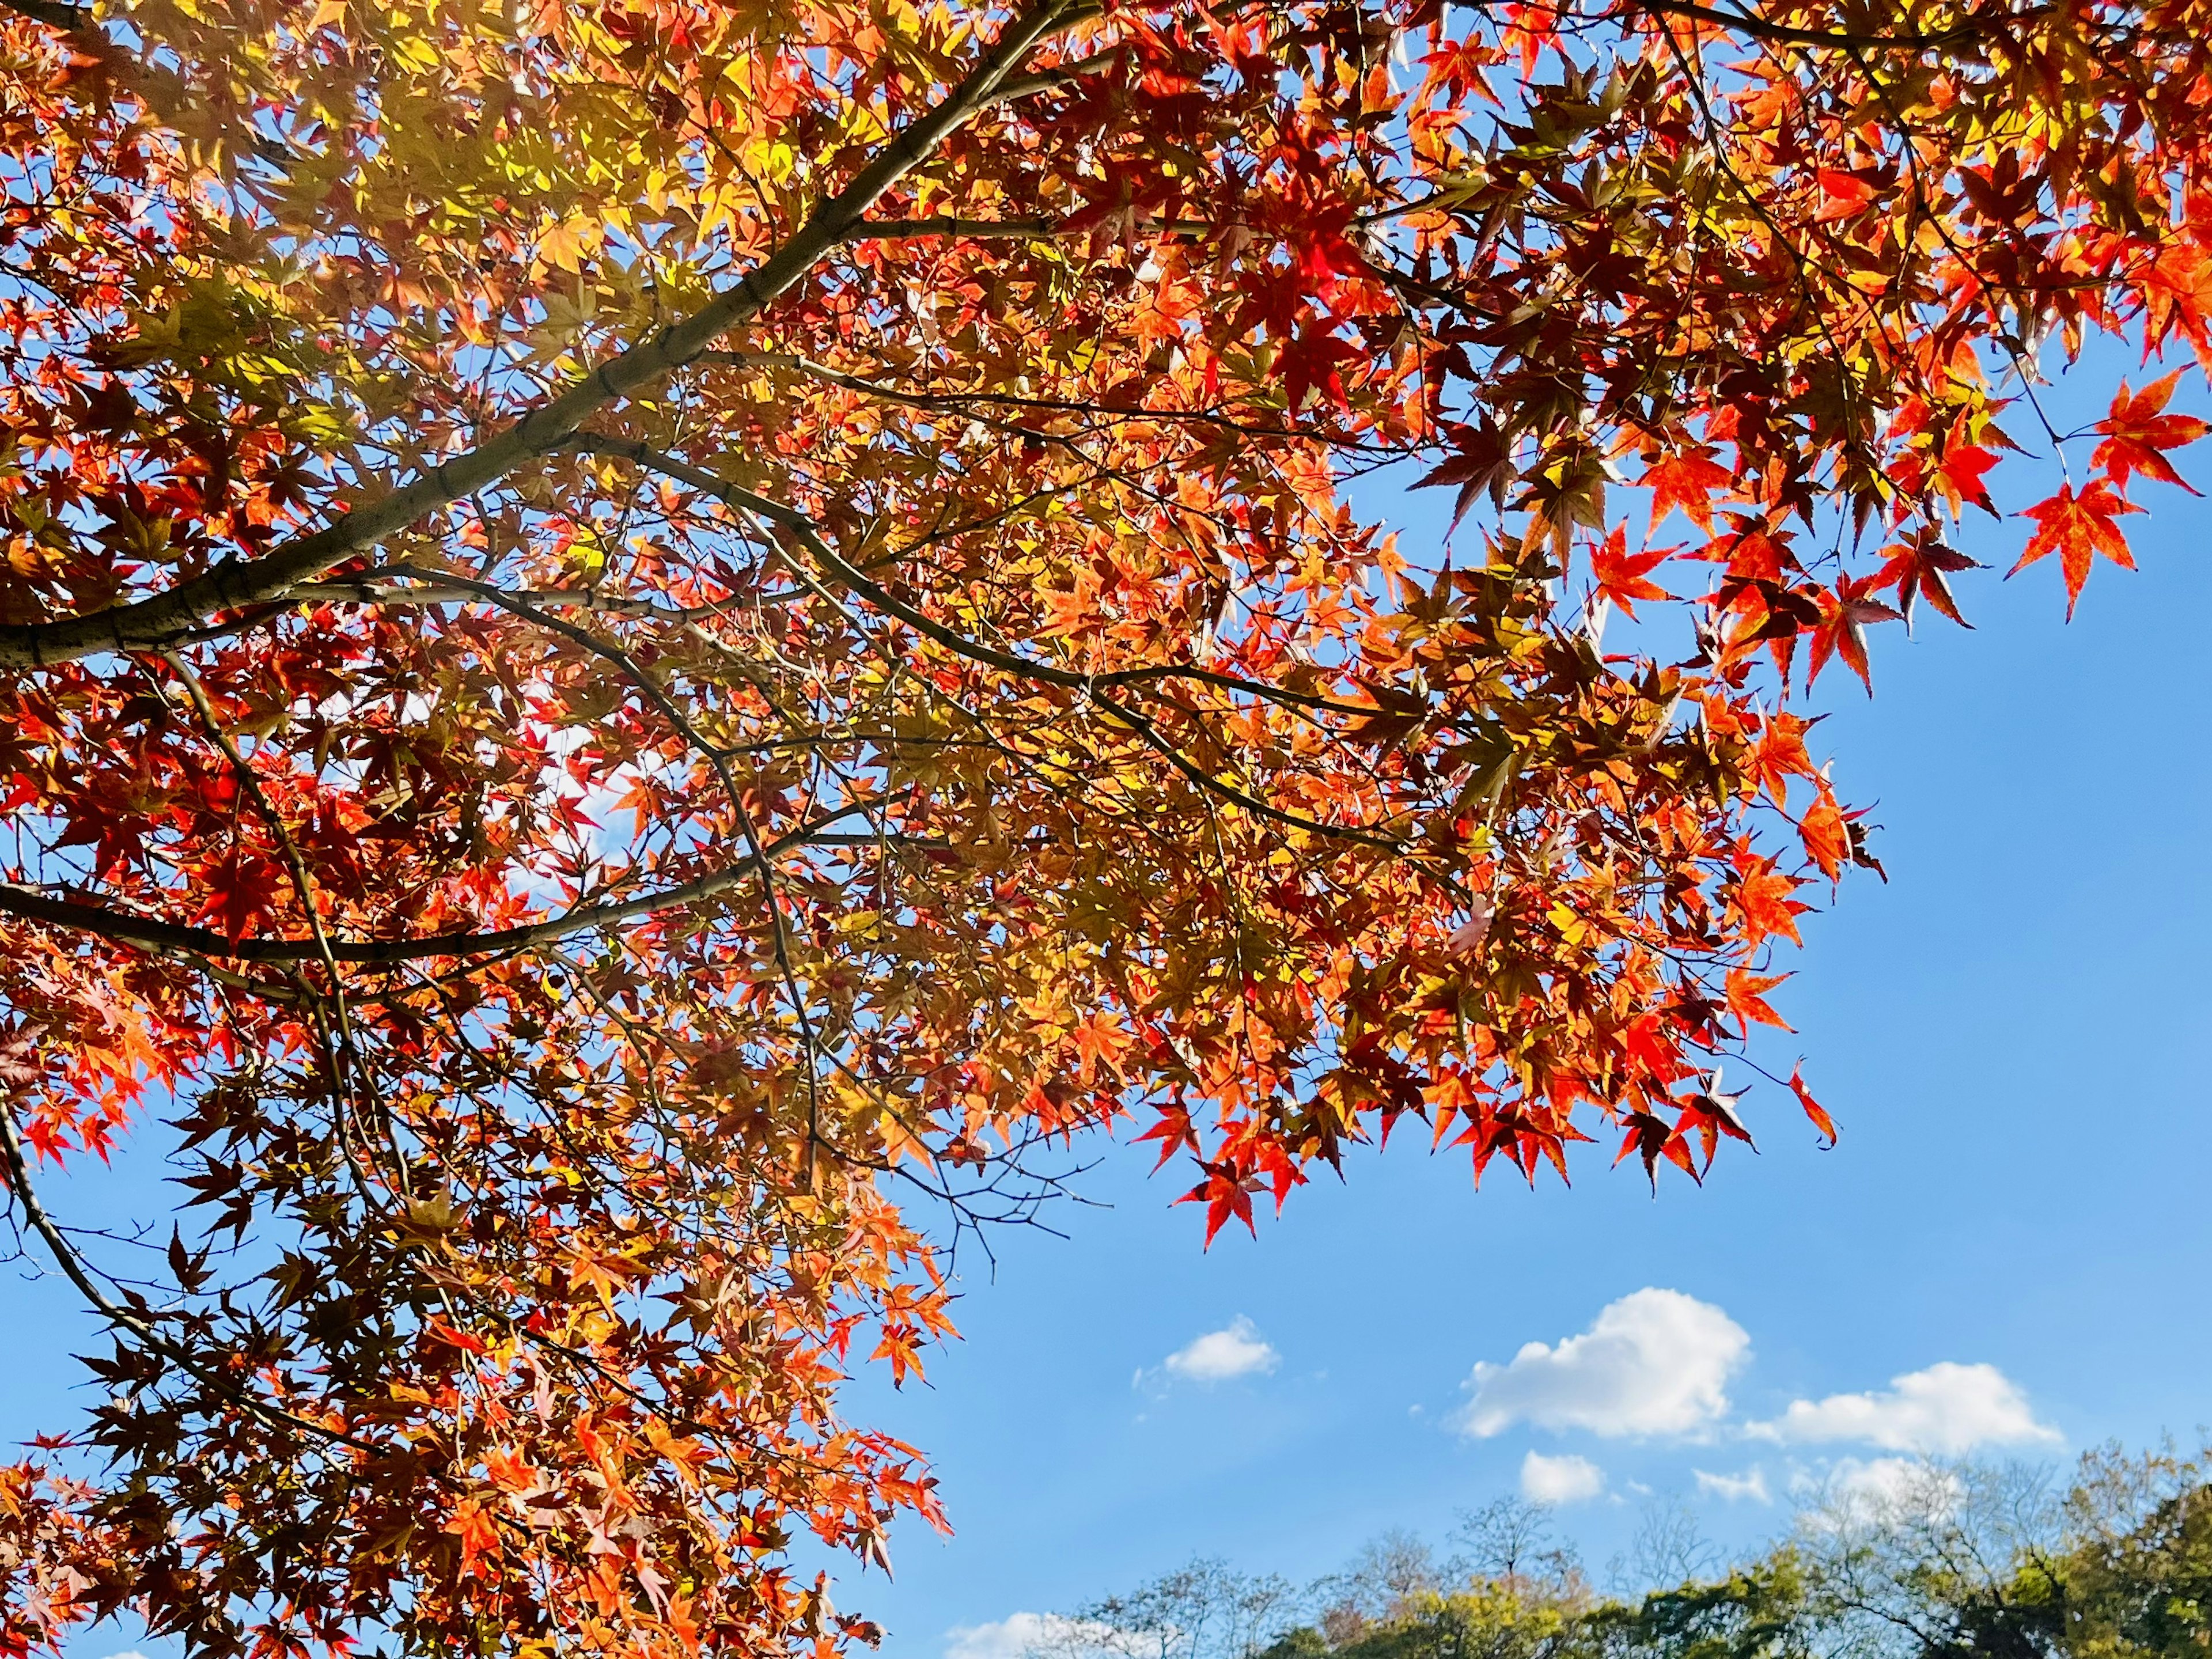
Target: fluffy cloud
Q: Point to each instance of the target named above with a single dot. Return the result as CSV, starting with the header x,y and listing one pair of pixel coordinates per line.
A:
x,y
1948,1408
1559,1479
1851,1490
1020,1634
1219,1355
1751,1483
1654,1362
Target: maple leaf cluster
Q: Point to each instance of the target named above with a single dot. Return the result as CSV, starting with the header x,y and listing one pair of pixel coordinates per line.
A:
x,y
648,650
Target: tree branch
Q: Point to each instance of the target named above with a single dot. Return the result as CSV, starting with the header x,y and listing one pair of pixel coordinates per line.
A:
x,y
857,580
70,20
801,529
893,230
140,1326
1055,79
150,932
1758,28
154,622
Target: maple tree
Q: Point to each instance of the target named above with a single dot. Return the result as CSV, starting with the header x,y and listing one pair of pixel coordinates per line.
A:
x,y
638,636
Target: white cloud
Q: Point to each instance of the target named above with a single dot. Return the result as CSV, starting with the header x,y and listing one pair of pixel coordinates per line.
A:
x,y
1655,1362
128,1653
1022,1633
1751,1483
1880,1480
1220,1355
1949,1408
1853,1492
1559,1479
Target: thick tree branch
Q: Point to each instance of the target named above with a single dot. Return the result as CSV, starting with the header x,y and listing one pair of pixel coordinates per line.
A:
x,y
894,230
1056,79
1759,29
367,587
154,622
150,932
70,20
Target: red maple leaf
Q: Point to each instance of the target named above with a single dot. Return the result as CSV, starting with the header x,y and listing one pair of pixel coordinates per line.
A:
x,y
1827,839
1843,195
2077,528
1621,574
1686,480
1173,1132
1923,567
1959,475
2137,433
1813,1109
1654,1138
1746,999
1224,1192
239,891
1841,632
1761,898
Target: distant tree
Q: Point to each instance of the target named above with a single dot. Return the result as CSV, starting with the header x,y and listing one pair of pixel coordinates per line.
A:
x,y
2138,1580
1378,1585
1511,1539
1762,1610
1201,1610
1496,1619
1668,1547
1966,1561
1950,1561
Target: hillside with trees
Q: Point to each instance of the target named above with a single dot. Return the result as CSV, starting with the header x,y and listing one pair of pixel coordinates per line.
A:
x,y
1954,1561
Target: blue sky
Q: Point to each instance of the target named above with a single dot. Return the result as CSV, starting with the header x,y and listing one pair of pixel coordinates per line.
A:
x,y
1999,1259
2010,1033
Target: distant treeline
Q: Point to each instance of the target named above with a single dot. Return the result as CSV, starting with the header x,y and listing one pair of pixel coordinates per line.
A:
x,y
1946,1560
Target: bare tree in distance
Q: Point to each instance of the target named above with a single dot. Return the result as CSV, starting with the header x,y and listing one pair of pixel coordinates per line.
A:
x,y
1203,1610
1377,1584
1669,1548
1515,1542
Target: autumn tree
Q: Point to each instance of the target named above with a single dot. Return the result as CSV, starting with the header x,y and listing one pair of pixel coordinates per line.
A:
x,y
637,637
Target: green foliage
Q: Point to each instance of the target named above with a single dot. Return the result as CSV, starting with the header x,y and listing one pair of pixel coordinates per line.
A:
x,y
1959,1563
1494,1619
2146,1588
1761,1610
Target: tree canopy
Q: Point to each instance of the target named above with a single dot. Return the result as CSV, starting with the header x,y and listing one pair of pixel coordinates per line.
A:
x,y
1931,1560
638,636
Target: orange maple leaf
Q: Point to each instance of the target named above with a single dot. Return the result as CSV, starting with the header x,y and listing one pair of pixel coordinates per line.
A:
x,y
1762,899
1813,1109
1685,479
2137,433
1746,999
1621,574
510,1469
1827,839
2077,528
1780,754
478,1531
1098,1036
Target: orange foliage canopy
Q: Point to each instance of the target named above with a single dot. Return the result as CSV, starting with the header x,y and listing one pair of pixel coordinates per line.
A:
x,y
635,634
